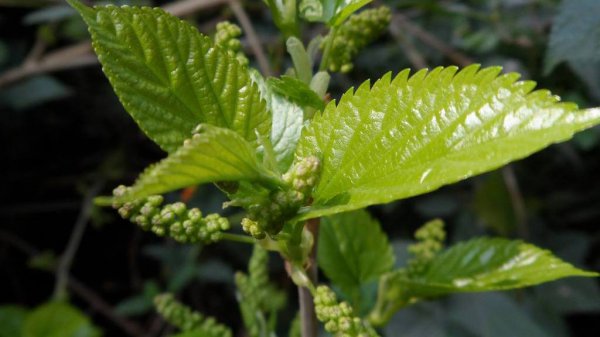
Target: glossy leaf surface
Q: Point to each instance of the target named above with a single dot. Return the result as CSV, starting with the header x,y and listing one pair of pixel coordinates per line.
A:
x,y
171,78
353,250
55,319
213,155
488,264
410,135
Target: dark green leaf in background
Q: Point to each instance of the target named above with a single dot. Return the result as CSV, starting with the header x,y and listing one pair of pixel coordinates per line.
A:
x,y
353,250
575,39
11,320
56,319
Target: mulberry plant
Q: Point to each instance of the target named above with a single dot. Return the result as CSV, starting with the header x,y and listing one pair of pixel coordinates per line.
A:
x,y
297,165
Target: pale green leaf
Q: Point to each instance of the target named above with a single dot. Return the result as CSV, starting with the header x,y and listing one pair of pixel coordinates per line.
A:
x,y
486,264
171,78
213,155
332,12
353,250
410,135
57,319
288,118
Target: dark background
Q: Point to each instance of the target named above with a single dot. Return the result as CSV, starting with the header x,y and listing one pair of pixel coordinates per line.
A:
x,y
63,133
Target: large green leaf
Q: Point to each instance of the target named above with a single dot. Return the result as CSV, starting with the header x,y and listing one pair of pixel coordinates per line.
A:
x,y
171,78
332,12
56,319
353,250
487,264
212,155
407,136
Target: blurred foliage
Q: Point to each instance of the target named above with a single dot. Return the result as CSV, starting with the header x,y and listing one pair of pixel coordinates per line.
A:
x,y
56,129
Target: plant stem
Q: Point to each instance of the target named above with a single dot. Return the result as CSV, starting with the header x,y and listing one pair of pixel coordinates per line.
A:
x,y
62,271
237,238
308,317
327,51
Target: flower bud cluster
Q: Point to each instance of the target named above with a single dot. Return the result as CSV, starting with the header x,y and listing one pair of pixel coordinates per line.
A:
x,y
173,220
267,214
430,238
355,34
339,318
187,319
257,295
227,36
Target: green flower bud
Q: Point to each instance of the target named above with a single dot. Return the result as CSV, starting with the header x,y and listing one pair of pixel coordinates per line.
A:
x,y
355,34
173,220
430,239
227,37
187,319
339,318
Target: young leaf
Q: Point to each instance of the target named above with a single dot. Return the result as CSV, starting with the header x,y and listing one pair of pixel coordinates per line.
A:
x,y
288,118
56,319
332,12
171,78
353,250
296,92
215,154
489,264
407,136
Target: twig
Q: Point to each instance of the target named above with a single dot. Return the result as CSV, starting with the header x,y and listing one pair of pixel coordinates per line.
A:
x,y
80,54
98,304
308,318
429,39
516,199
186,7
253,39
413,55
81,290
66,260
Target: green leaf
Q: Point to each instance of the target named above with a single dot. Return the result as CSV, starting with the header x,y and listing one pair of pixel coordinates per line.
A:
x,y
486,264
11,320
353,250
171,78
213,155
288,119
57,319
296,92
332,12
408,136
